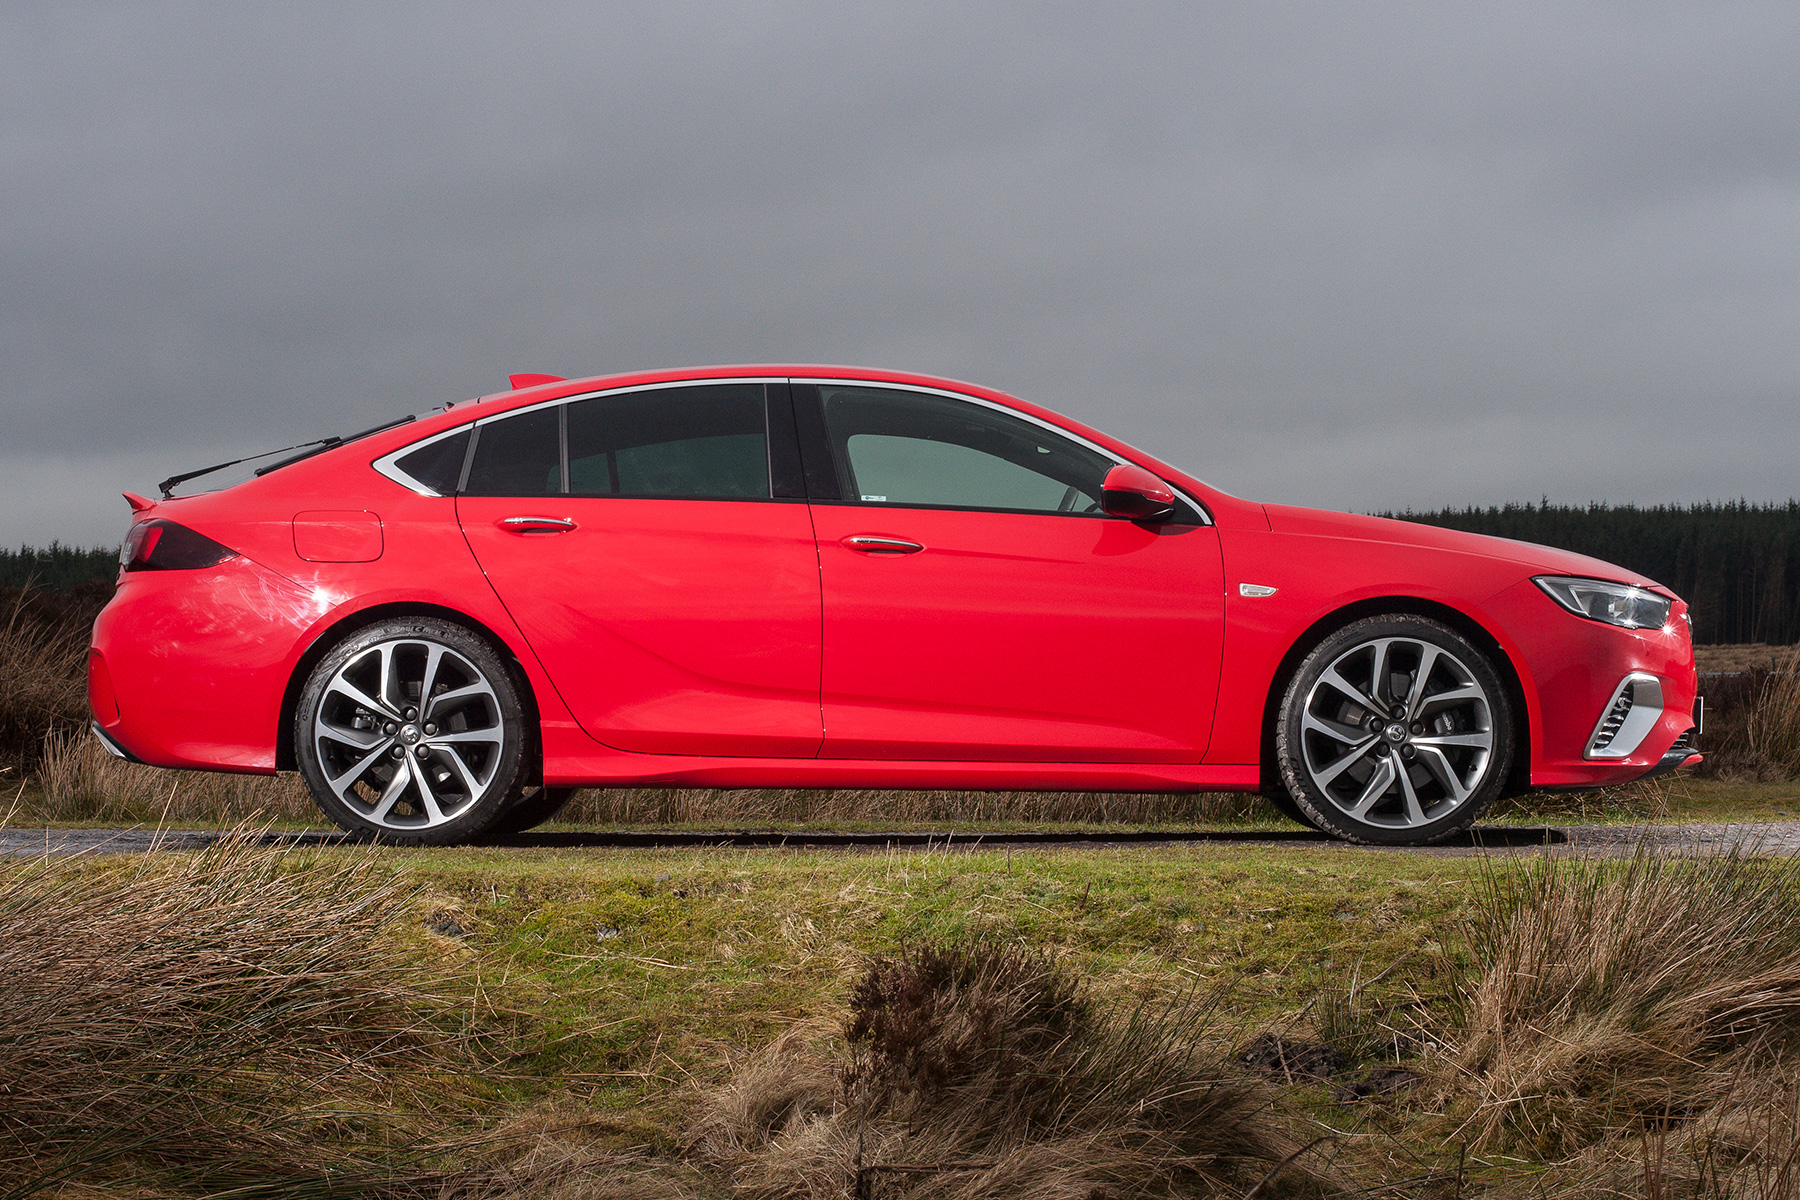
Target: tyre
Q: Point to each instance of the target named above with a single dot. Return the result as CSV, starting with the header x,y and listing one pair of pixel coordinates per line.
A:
x,y
1284,804
531,810
411,731
1395,731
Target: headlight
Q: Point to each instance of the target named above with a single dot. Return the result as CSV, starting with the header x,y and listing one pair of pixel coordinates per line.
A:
x,y
1614,603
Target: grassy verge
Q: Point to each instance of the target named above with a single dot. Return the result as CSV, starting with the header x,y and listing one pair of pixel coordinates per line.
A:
x,y
754,1022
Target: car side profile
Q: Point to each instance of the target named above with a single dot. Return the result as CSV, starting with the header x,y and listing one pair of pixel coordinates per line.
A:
x,y
802,576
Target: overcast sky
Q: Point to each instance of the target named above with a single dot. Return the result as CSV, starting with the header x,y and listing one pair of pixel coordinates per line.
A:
x,y
1356,256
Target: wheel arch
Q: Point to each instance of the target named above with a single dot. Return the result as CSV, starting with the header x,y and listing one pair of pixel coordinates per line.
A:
x,y
336,632
1519,780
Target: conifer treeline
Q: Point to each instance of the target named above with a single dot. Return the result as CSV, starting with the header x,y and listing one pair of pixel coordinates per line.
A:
x,y
1736,564
56,567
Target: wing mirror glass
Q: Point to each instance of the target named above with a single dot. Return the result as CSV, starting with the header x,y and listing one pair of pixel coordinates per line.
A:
x,y
1131,491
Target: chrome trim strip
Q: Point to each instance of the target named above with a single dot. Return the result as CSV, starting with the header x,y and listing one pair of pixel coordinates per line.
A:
x,y
1646,711
385,464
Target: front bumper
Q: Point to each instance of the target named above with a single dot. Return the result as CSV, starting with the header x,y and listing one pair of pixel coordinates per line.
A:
x,y
1574,672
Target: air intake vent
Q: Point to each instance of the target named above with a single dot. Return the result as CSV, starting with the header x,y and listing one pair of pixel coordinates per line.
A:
x,y
1635,708
1611,723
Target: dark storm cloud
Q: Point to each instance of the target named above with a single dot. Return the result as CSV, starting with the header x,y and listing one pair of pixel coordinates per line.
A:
x,y
1356,256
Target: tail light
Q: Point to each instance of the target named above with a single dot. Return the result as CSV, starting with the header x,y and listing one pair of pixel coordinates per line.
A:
x,y
162,545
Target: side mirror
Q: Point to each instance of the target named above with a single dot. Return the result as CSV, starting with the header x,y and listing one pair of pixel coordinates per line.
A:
x,y
1133,492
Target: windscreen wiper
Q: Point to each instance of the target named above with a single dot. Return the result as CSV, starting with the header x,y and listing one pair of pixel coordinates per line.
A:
x,y
307,450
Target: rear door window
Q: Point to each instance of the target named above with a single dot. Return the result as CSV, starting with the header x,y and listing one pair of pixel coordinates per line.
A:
x,y
518,456
703,442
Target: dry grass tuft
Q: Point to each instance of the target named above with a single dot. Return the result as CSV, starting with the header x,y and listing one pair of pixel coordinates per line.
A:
x,y
1773,730
1625,994
984,1072
243,1016
43,681
685,806
82,782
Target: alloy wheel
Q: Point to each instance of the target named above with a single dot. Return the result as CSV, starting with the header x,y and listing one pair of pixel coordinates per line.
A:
x,y
409,734
1397,733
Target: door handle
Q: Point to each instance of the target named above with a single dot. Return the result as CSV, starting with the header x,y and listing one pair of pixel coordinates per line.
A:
x,y
536,524
870,544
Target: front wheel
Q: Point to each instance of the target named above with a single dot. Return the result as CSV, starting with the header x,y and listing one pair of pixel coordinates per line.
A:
x,y
1395,730
411,731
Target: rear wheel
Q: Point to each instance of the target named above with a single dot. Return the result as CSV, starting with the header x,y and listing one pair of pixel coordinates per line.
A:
x,y
411,731
1395,730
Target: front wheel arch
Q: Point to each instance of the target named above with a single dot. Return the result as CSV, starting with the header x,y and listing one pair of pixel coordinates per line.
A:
x,y
1269,767
331,636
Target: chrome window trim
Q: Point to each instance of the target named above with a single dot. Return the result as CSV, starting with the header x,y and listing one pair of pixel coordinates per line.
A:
x,y
385,464
1052,427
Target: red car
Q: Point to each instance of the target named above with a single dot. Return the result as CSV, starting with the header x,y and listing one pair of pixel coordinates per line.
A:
x,y
792,576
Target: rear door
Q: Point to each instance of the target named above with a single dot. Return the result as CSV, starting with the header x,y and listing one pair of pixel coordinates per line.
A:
x,y
979,606
671,596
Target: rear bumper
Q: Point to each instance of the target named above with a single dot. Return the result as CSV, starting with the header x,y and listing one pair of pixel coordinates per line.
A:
x,y
112,746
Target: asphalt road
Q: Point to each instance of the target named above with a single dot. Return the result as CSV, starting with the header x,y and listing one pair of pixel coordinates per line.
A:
x,y
1781,837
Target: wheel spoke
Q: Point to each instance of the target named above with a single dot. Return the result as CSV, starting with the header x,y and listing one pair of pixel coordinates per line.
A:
x,y
1332,679
341,783
479,688
468,777
1467,691
1378,674
434,658
1377,787
361,739
1415,812
434,814
390,796
1439,765
1355,754
488,736
1480,739
1337,731
1415,696
356,695
390,678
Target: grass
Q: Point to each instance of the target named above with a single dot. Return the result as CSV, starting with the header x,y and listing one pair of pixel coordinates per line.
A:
x,y
671,1023
237,1018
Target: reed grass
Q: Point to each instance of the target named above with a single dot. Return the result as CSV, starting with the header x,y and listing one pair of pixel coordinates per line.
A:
x,y
244,1017
1627,993
982,1072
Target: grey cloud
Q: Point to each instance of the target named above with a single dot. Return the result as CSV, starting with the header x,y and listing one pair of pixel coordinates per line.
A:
x,y
1261,241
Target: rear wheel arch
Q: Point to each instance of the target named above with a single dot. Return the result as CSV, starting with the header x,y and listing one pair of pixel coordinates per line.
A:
x,y
322,645
1269,767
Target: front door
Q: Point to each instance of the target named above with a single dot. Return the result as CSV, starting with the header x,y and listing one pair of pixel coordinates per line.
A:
x,y
673,603
979,606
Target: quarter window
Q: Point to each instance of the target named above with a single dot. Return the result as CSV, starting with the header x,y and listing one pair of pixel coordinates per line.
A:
x,y
916,449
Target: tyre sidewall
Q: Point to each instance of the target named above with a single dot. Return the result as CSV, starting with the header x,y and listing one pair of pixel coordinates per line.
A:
x,y
508,779
1319,809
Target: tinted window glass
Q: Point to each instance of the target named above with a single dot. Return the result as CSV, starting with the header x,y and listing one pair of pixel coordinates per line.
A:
x,y
901,447
692,442
518,456
439,465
